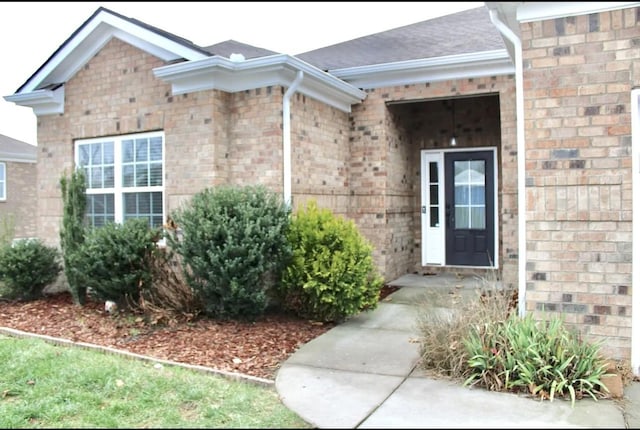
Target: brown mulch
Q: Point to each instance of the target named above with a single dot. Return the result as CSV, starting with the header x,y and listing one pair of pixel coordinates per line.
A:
x,y
251,348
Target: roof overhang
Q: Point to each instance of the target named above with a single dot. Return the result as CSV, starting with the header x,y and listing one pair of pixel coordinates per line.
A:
x,y
463,66
43,102
76,51
223,74
539,11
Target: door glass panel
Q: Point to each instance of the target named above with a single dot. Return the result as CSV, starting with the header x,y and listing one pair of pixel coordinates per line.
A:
x,y
434,188
469,194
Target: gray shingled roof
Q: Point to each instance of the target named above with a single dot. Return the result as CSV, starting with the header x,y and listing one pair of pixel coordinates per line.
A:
x,y
459,33
225,49
13,149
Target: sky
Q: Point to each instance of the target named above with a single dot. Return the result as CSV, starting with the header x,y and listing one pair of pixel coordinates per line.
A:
x,y
31,31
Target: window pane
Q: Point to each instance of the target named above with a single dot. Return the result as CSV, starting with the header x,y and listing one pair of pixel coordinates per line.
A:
x,y
127,176
477,218
155,175
477,195
462,195
144,205
433,172
142,176
100,209
127,151
155,149
108,177
96,177
96,154
83,155
462,217
142,150
107,152
433,194
435,217
156,203
476,175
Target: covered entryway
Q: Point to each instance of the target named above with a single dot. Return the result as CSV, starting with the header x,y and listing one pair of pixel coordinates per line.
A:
x,y
454,189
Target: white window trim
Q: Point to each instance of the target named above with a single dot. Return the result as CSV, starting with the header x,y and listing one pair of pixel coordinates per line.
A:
x,y
3,182
118,190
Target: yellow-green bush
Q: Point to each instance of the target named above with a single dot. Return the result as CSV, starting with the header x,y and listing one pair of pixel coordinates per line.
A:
x,y
331,275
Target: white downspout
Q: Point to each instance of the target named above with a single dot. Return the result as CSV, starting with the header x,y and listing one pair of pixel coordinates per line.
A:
x,y
635,222
520,145
286,137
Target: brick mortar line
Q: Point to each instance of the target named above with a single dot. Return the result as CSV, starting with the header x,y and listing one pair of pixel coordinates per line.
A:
x,y
106,350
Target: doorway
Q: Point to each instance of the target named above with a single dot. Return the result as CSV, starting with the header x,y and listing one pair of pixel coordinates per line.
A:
x,y
458,216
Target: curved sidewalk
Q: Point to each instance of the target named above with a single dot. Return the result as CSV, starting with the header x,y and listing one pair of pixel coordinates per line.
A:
x,y
363,374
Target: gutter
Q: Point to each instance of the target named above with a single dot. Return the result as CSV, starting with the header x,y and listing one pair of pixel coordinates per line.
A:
x,y
286,137
520,145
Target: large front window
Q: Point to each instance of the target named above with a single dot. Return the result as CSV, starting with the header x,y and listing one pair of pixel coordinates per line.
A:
x,y
124,177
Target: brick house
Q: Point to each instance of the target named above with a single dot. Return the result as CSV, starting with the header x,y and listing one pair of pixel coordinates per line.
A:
x,y
18,200
538,183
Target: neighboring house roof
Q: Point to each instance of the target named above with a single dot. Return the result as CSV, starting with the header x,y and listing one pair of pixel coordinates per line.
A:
x,y
16,150
459,33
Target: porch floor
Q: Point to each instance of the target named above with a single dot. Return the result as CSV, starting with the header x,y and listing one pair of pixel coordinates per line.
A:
x,y
442,290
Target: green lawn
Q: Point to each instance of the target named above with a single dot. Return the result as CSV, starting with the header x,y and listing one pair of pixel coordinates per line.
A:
x,y
44,385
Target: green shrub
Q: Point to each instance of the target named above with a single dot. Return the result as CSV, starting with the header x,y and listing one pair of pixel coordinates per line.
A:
x,y
543,358
331,275
115,260
72,231
27,266
233,248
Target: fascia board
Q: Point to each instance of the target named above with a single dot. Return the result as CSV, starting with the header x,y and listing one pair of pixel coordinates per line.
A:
x,y
489,63
12,158
94,36
43,102
539,11
223,74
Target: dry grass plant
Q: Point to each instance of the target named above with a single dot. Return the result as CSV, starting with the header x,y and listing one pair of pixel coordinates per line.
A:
x,y
170,299
444,319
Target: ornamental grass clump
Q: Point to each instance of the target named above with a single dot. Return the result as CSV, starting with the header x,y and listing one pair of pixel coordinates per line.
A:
x,y
482,341
444,319
543,358
331,275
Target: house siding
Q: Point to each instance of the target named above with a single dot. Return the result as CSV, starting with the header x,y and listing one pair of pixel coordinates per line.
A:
x,y
578,76
18,211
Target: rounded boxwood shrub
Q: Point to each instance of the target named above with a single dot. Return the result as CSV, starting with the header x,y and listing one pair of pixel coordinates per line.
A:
x,y
331,274
27,266
114,261
233,246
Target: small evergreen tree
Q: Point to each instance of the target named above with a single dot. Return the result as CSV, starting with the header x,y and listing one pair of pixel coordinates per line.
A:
x,y
73,228
233,248
115,260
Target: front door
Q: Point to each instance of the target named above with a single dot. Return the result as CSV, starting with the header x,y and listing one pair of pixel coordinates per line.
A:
x,y
459,208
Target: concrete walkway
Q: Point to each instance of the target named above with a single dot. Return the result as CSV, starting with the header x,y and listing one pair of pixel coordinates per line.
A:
x,y
363,374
